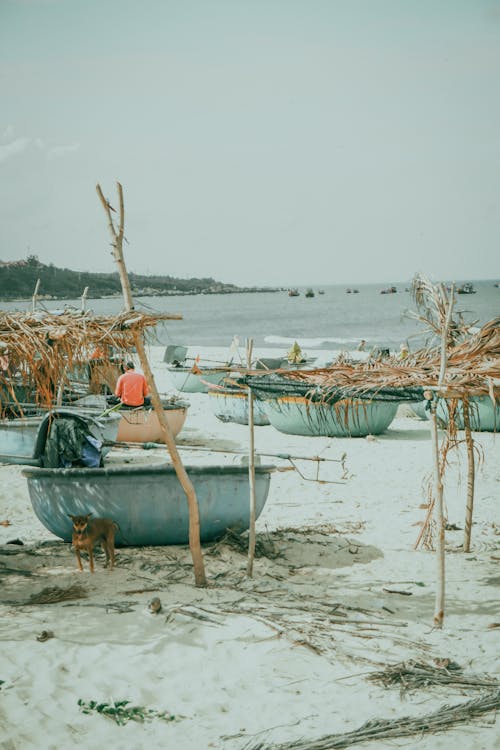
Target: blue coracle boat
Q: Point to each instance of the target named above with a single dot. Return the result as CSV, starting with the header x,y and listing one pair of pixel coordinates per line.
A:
x,y
230,404
298,415
147,502
484,415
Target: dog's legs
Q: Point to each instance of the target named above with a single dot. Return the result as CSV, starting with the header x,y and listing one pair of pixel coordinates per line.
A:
x,y
91,558
109,548
79,560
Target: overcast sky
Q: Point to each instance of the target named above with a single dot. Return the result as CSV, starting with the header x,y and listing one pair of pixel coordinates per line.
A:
x,y
258,141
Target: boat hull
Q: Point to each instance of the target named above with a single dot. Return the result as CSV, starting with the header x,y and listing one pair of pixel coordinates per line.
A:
x,y
186,381
18,439
143,425
22,441
296,415
147,502
484,416
229,406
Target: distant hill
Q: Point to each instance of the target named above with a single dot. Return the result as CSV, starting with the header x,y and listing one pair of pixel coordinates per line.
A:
x,y
18,280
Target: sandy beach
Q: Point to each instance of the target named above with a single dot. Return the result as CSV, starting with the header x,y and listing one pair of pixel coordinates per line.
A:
x,y
338,593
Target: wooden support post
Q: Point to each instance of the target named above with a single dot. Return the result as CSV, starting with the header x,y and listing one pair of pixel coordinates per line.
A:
x,y
438,481
35,295
251,468
194,516
84,298
440,522
471,470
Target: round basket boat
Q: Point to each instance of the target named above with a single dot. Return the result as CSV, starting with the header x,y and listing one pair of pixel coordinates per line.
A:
x,y
147,502
296,415
143,426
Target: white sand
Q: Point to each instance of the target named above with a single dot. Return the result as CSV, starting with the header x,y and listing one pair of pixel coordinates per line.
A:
x,y
281,656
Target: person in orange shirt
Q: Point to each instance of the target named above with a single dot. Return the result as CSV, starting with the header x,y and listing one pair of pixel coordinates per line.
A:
x,y
132,388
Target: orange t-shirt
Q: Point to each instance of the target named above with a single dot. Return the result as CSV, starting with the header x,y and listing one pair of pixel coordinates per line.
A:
x,y
131,388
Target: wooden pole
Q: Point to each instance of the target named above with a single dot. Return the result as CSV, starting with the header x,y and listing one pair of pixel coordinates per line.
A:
x,y
35,296
84,298
438,481
194,516
471,471
251,469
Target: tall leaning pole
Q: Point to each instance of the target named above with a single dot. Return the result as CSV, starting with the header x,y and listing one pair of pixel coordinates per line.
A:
x,y
194,516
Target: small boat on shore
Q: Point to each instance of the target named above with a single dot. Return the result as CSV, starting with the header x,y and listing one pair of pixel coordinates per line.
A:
x,y
299,415
147,502
142,425
25,440
196,379
484,415
230,404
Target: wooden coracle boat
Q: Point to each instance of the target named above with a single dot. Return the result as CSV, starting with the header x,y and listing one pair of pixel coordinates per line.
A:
x,y
147,502
141,425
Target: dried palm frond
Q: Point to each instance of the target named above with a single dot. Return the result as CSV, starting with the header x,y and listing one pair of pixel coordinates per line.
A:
x,y
406,726
41,349
411,675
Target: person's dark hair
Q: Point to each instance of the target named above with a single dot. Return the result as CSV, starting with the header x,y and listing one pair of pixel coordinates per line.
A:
x,y
130,366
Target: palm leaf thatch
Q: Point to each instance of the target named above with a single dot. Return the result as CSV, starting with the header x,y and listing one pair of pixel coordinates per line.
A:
x,y
40,349
473,369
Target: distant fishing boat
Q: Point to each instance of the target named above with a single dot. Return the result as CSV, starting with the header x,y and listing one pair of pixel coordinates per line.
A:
x,y
389,290
321,291
466,289
293,293
147,502
230,404
309,293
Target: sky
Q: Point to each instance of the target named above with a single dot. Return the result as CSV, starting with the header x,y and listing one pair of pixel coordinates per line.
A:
x,y
258,142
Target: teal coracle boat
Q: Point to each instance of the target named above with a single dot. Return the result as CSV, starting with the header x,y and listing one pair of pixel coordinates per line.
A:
x,y
484,414
24,440
231,405
298,415
147,502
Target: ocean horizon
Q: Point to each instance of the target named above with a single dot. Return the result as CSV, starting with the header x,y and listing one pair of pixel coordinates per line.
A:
x,y
332,320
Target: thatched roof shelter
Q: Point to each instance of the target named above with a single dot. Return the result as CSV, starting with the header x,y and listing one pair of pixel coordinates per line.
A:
x,y
41,348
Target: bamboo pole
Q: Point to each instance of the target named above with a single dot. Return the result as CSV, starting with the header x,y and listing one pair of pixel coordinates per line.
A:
x,y
84,298
438,481
251,469
194,516
471,471
35,295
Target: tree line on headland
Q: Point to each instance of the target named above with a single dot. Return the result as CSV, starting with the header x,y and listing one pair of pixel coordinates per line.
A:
x,y
19,278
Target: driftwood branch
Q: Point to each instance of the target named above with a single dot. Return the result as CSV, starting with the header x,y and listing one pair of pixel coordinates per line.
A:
x,y
194,517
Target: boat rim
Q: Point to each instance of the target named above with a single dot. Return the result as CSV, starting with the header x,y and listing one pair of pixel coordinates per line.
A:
x,y
33,472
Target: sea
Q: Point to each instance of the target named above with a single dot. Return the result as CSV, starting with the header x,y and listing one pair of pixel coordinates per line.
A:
x,y
334,320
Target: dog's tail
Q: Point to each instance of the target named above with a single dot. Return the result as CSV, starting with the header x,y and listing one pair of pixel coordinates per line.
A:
x,y
117,527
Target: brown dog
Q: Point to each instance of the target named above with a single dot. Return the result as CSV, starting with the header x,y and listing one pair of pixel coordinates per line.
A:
x,y
87,533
